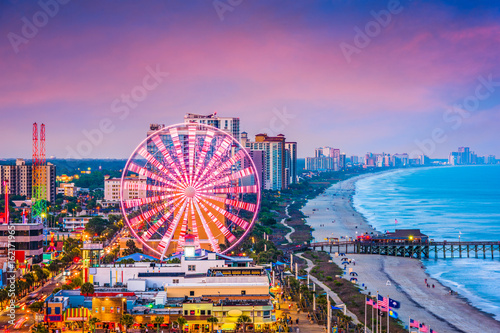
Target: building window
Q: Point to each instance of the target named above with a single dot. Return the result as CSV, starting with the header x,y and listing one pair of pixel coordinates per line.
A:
x,y
103,309
191,312
49,311
58,310
96,310
243,292
175,281
185,312
209,312
111,310
202,312
191,293
192,268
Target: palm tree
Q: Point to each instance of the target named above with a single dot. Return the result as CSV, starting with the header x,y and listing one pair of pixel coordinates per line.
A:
x,y
212,320
4,295
126,320
181,321
87,289
158,321
92,322
36,307
40,328
30,279
244,319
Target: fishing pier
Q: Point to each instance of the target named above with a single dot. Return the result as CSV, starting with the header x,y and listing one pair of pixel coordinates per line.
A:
x,y
409,243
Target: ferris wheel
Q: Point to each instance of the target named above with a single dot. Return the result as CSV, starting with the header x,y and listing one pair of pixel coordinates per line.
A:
x,y
189,185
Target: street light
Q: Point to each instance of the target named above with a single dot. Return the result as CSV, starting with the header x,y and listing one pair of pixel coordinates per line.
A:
x,y
253,317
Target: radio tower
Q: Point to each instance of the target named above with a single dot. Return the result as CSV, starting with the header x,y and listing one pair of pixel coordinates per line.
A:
x,y
38,197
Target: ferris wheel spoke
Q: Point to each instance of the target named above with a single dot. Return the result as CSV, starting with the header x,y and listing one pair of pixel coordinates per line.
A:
x,y
233,190
222,149
145,172
145,187
178,150
225,231
204,149
182,235
150,232
191,143
237,220
211,239
154,162
134,222
224,166
161,147
227,179
235,203
149,200
194,225
167,237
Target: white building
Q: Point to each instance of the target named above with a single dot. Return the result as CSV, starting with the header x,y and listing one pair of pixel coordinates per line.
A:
x,y
154,275
19,179
135,189
73,223
274,158
230,125
67,189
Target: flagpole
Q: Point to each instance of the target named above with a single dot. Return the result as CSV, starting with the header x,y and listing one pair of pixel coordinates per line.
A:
x,y
329,315
388,309
373,331
365,314
376,322
409,325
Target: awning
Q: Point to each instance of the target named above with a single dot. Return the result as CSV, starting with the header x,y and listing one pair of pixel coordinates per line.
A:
x,y
76,314
229,327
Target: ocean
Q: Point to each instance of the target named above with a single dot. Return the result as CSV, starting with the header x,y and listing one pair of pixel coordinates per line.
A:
x,y
446,203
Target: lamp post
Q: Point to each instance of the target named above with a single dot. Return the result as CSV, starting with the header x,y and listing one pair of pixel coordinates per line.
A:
x,y
83,319
169,321
253,317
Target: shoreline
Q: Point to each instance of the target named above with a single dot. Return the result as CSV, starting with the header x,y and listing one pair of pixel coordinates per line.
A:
x,y
401,278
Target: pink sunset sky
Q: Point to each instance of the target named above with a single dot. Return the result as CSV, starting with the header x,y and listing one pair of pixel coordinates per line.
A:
x,y
252,60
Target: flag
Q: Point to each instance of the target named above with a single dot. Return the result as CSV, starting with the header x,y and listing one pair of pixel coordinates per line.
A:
x,y
432,331
396,221
394,314
394,304
369,301
383,308
383,301
423,328
414,323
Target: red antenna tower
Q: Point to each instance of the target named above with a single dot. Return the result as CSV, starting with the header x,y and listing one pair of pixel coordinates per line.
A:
x,y
43,163
38,197
35,163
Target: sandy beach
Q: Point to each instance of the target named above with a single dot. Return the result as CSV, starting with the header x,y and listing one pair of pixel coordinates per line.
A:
x,y
403,279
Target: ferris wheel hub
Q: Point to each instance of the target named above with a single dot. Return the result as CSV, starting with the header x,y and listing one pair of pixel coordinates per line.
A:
x,y
190,192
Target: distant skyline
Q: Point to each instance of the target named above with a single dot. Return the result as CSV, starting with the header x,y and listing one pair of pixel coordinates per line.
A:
x,y
378,76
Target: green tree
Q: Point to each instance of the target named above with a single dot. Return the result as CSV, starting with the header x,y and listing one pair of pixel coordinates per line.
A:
x,y
158,321
36,307
244,319
4,296
181,321
77,282
126,320
92,322
87,289
212,320
96,225
40,328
